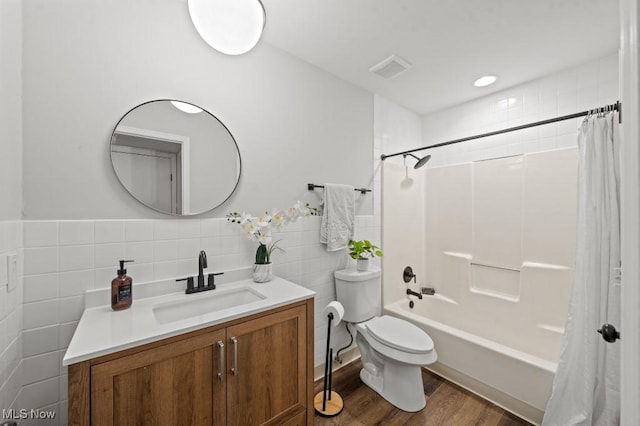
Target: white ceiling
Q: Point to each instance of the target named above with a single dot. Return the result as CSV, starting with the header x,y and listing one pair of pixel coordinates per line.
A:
x,y
449,42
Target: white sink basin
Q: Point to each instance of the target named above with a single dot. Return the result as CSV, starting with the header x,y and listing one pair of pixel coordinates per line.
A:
x,y
204,303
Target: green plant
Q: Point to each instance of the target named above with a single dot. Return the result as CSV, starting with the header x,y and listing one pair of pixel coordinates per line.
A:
x,y
263,253
363,249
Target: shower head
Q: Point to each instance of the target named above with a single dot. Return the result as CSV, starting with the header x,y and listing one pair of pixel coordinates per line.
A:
x,y
421,161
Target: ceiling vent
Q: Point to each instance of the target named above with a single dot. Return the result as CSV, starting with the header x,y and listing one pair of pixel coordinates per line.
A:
x,y
391,67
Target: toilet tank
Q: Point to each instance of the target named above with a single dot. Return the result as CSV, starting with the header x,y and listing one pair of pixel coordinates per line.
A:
x,y
359,292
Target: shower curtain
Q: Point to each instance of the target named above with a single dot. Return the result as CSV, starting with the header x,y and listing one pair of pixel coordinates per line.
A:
x,y
586,387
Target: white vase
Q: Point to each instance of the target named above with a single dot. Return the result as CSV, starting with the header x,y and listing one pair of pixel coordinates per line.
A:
x,y
362,264
262,273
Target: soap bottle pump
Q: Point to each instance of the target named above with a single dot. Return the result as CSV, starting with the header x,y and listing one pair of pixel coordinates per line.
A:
x,y
121,289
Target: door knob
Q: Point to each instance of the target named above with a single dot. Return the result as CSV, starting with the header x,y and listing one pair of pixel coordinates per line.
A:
x,y
609,333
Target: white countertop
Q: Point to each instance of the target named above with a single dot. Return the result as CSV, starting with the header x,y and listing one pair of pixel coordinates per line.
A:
x,y
102,331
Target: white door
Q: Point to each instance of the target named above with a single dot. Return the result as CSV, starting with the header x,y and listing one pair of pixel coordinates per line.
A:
x,y
150,176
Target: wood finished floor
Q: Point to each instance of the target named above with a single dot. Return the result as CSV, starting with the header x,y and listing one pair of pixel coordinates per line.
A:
x,y
447,404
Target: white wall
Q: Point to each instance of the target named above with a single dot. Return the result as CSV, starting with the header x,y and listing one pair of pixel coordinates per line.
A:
x,y
87,63
10,110
10,194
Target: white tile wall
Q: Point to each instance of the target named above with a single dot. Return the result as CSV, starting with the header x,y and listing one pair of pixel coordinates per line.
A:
x,y
63,259
11,348
577,89
397,129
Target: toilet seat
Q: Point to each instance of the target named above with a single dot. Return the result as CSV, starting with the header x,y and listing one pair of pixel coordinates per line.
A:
x,y
399,334
399,352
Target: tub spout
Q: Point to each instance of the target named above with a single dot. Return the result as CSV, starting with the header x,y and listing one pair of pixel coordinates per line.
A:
x,y
413,293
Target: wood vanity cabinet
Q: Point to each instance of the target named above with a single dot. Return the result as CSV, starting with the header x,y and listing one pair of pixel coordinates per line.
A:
x,y
256,370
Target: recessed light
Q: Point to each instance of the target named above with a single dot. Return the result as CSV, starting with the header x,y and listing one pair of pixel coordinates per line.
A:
x,y
485,81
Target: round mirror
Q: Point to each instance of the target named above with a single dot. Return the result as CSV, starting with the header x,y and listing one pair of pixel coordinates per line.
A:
x,y
175,157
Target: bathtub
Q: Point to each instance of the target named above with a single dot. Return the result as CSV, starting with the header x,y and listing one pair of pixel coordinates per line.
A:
x,y
512,379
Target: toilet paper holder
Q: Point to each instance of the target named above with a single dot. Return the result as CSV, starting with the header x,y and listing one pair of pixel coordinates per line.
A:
x,y
328,403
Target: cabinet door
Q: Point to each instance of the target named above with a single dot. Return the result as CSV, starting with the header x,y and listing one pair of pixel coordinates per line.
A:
x,y
266,365
175,384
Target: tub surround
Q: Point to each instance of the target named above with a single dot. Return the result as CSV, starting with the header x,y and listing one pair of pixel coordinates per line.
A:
x,y
102,331
504,244
498,250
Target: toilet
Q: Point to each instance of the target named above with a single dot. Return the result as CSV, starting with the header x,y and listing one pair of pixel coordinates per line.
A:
x,y
393,351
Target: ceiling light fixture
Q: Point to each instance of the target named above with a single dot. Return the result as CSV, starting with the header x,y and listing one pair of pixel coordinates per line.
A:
x,y
232,27
485,81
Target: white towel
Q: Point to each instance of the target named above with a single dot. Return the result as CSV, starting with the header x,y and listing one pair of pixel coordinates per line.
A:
x,y
338,216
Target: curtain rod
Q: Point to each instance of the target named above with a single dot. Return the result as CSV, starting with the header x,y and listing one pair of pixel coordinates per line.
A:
x,y
613,107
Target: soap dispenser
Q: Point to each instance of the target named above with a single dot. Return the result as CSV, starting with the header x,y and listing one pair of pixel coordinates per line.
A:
x,y
121,289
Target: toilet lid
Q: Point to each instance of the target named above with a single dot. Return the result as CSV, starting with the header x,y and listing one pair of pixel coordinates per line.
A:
x,y
399,334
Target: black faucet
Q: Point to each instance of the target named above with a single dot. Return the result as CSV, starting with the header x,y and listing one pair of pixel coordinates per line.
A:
x,y
202,263
413,293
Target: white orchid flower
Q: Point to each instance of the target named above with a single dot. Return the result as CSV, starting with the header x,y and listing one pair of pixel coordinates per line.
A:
x,y
264,220
291,213
296,211
277,219
244,218
260,228
264,236
249,228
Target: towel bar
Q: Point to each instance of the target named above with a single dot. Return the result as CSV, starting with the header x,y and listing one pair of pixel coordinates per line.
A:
x,y
312,186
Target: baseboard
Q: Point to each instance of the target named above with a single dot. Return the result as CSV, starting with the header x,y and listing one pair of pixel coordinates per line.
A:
x,y
501,399
347,356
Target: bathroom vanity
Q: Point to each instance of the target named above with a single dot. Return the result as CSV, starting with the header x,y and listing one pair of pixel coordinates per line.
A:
x,y
242,354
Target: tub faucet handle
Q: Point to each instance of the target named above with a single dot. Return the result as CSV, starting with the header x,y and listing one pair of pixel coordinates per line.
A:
x,y
408,275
